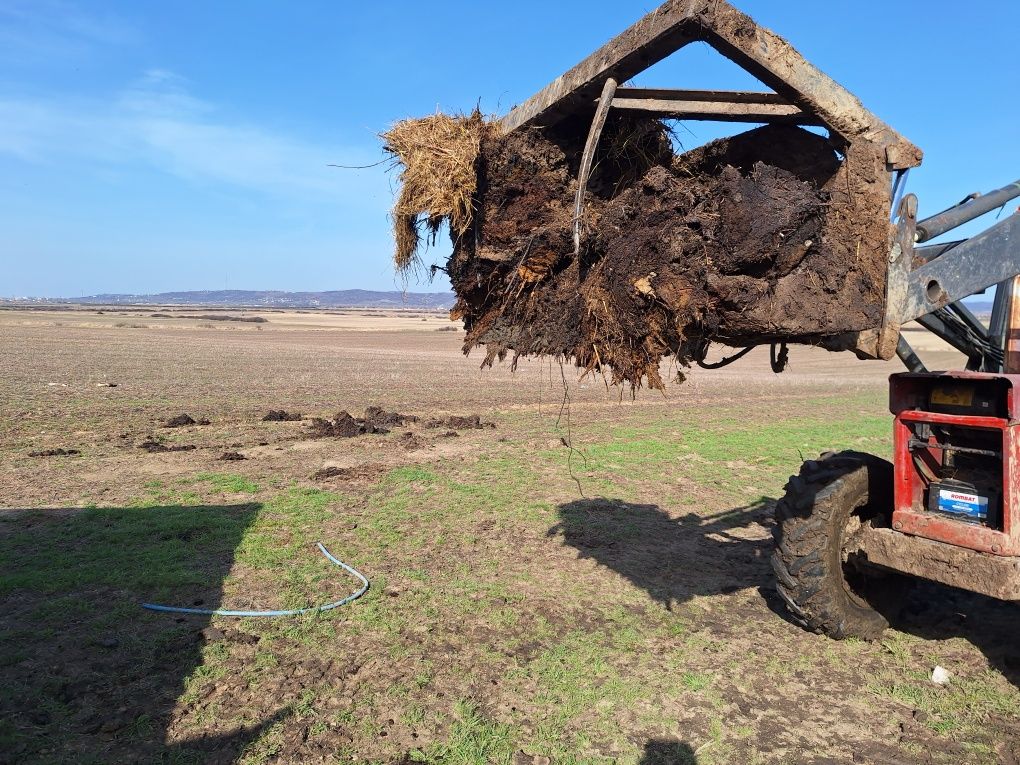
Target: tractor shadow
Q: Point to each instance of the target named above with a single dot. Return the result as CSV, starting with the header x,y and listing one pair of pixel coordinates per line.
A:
x,y
672,558
663,752
936,612
676,558
88,674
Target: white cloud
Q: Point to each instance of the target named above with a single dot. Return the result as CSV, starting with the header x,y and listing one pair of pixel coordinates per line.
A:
x,y
157,122
44,31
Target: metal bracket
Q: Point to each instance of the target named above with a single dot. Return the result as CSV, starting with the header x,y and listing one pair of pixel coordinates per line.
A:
x,y
901,260
981,261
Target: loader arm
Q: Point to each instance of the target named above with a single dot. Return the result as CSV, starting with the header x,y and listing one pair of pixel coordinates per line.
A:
x,y
927,282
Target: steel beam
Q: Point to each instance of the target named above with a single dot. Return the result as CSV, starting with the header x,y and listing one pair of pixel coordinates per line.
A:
x,y
932,251
976,206
975,265
665,30
935,324
910,359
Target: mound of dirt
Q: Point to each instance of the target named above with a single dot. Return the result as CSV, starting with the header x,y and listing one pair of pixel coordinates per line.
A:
x,y
54,453
412,441
343,425
776,234
378,416
280,415
183,420
376,421
155,447
358,473
454,422
232,457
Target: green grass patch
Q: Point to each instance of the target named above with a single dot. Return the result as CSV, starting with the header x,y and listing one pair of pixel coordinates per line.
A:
x,y
228,483
472,740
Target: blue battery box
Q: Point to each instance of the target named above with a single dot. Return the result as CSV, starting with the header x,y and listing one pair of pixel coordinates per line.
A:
x,y
962,501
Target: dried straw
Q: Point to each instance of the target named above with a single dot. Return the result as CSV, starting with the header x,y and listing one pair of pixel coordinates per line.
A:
x,y
438,180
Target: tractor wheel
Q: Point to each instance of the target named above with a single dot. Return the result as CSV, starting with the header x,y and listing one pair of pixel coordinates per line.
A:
x,y
816,521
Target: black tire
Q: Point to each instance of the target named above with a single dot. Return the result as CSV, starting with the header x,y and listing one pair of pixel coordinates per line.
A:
x,y
822,508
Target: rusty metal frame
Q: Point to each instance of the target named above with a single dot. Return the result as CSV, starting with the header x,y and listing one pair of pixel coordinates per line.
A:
x,y
766,55
803,95
991,575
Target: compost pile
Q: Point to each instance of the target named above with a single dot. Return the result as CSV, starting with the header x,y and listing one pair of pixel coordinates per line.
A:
x,y
771,235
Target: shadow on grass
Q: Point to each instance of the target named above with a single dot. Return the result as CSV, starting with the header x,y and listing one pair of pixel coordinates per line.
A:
x,y
935,612
88,675
661,752
673,559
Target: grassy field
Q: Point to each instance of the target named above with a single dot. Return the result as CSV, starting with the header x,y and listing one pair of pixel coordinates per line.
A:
x,y
581,584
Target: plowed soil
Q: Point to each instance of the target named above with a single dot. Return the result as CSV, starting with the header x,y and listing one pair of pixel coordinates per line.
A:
x,y
606,602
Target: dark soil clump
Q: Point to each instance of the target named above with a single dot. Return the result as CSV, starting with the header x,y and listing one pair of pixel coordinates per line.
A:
x,y
344,425
60,452
376,415
155,447
360,473
232,457
280,415
776,234
412,441
454,422
183,420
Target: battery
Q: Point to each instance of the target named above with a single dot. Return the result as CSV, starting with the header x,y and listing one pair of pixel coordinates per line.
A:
x,y
963,501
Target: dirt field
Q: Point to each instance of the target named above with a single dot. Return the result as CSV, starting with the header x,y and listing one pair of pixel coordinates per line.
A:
x,y
607,601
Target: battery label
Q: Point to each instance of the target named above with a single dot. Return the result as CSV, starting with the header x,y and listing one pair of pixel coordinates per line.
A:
x,y
961,503
953,395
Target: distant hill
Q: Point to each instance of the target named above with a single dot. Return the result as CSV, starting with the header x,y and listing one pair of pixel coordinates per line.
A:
x,y
271,298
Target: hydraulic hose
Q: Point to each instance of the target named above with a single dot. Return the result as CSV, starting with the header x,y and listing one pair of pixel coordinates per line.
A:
x,y
289,612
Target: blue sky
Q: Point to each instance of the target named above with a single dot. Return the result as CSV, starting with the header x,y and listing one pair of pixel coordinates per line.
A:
x,y
150,146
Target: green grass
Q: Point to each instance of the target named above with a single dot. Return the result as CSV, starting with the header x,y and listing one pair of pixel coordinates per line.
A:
x,y
959,708
730,454
693,681
472,740
144,550
228,483
565,645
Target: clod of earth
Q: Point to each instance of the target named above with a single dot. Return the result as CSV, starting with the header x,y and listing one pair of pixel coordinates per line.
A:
x,y
280,415
412,441
357,473
183,420
54,453
345,425
776,234
155,447
232,457
378,416
454,422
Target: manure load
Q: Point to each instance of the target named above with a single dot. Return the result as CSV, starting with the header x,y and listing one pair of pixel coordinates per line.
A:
x,y
580,230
